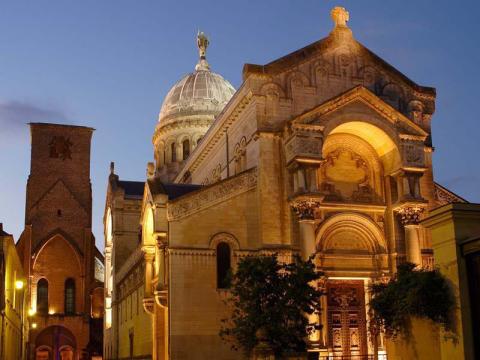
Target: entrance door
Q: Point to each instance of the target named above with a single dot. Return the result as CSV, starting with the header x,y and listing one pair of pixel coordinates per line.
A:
x,y
347,332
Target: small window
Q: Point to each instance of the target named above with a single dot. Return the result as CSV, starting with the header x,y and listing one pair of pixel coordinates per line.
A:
x,y
173,150
69,296
186,149
223,265
42,296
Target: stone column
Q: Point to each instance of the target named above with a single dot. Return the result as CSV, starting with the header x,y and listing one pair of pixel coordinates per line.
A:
x,y
305,210
410,217
149,257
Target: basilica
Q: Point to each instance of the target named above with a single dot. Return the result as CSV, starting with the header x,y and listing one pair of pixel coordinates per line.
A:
x,y
326,151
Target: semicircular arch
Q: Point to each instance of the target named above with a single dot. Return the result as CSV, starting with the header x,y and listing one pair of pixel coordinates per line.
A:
x,y
350,232
224,237
380,136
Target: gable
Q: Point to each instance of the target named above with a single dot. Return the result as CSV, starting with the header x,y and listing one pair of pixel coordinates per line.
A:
x,y
359,104
331,66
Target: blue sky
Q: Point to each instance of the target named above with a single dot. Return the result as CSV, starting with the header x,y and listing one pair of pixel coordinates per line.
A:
x,y
108,64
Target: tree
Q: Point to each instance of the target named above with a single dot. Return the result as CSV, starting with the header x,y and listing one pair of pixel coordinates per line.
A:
x,y
274,297
420,293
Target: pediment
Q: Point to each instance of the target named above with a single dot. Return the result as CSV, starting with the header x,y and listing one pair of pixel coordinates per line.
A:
x,y
360,104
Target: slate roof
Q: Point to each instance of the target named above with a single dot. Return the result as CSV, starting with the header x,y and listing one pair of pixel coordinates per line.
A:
x,y
133,189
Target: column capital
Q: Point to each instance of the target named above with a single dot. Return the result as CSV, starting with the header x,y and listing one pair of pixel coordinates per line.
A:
x,y
149,252
304,206
410,214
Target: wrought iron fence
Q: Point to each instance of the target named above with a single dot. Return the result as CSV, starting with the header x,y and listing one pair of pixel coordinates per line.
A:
x,y
349,357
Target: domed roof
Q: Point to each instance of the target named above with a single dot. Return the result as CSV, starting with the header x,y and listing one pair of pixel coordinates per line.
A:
x,y
200,92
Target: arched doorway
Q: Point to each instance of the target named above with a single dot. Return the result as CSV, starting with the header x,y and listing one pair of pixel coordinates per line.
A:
x,y
352,250
55,343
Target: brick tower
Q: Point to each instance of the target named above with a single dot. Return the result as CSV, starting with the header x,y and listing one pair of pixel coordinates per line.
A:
x,y
57,246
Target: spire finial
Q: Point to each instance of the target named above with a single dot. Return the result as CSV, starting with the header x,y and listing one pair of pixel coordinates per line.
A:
x,y
202,43
340,16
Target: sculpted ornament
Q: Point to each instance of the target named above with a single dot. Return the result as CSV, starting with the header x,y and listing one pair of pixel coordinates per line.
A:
x,y
410,215
60,147
305,208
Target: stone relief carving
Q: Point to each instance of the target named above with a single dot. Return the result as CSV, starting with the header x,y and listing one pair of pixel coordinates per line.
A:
x,y
60,147
303,145
413,153
216,193
344,297
346,177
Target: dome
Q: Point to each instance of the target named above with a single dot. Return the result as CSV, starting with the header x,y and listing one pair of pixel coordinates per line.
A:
x,y
202,92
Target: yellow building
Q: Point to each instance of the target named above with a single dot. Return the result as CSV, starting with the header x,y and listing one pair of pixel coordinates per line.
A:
x,y
325,151
13,297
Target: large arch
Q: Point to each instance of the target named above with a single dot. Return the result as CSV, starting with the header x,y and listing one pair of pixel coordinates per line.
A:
x,y
361,236
56,342
382,137
55,248
148,227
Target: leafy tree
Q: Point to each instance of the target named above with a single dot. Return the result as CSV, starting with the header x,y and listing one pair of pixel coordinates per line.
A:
x,y
420,293
274,297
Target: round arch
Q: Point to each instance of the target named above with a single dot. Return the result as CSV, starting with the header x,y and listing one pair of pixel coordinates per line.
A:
x,y
226,238
350,233
382,137
56,340
148,227
109,227
51,241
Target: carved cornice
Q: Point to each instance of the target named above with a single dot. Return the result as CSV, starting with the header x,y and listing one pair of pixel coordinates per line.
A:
x,y
191,252
360,93
444,196
212,195
411,137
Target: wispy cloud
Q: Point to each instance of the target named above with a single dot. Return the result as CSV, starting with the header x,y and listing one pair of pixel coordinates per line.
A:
x,y
15,114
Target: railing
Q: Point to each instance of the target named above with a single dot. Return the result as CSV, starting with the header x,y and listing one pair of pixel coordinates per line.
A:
x,y
350,357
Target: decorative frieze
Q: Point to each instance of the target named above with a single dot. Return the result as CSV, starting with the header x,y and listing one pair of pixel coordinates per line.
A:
x,y
212,195
446,197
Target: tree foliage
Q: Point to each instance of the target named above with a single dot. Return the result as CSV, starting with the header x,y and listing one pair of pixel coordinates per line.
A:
x,y
275,297
420,293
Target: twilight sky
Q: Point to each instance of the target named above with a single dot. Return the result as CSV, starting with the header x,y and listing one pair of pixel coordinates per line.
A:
x,y
108,64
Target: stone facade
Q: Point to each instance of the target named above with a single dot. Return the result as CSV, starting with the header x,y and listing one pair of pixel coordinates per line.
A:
x,y
57,246
127,327
325,151
13,301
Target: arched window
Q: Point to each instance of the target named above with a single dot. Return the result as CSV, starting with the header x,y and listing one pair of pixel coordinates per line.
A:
x,y
173,150
223,266
42,296
69,296
186,148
